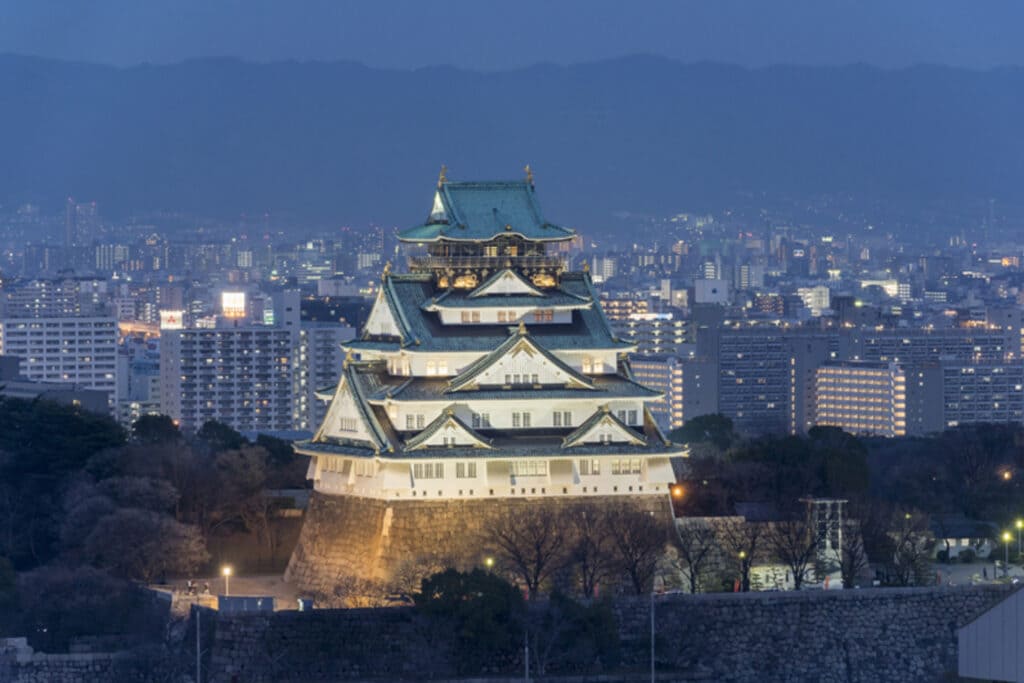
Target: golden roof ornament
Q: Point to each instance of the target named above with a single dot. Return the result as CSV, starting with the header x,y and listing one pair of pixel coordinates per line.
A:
x,y
387,271
442,178
529,175
522,328
349,357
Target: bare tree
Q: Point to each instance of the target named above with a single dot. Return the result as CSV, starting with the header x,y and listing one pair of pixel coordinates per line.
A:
x,y
530,543
912,544
639,541
796,541
696,543
591,554
744,542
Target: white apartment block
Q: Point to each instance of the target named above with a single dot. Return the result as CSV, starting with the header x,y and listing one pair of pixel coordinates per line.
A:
x,y
80,351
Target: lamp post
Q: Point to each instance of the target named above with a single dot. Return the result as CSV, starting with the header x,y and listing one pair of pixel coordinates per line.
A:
x,y
226,572
1020,525
743,573
1006,552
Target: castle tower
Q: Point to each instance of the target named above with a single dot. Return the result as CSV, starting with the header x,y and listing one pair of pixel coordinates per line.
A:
x,y
486,378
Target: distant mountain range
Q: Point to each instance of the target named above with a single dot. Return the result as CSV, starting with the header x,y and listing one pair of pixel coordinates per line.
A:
x,y
342,143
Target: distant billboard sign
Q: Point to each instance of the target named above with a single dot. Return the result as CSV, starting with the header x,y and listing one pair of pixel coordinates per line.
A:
x,y
232,304
172,320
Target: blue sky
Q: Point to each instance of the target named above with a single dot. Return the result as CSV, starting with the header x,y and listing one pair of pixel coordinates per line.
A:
x,y
486,35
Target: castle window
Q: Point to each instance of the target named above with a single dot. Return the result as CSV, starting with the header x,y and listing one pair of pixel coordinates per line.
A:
x,y
442,367
533,378
348,424
529,468
626,466
632,417
410,422
544,315
431,368
466,317
419,422
590,467
476,316
465,470
428,470
556,419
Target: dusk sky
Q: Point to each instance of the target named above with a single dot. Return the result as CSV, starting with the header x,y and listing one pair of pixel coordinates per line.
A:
x,y
501,35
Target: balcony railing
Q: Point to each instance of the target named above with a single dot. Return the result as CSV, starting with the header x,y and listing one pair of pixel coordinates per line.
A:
x,y
489,262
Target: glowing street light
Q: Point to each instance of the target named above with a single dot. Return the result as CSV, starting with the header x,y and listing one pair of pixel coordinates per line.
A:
x,y
226,572
677,491
1020,525
489,562
1006,552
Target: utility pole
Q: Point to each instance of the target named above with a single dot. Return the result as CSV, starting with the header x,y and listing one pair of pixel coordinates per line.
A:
x,y
652,635
526,658
199,665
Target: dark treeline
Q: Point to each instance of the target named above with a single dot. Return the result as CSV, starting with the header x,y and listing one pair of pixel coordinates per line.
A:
x,y
85,503
971,470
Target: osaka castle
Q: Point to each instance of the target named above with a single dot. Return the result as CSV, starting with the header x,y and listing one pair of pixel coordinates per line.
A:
x,y
486,377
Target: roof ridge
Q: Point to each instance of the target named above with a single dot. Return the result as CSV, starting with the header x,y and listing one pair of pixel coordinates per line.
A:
x,y
521,335
600,414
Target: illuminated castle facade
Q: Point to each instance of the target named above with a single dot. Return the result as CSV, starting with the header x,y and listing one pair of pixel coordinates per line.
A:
x,y
487,373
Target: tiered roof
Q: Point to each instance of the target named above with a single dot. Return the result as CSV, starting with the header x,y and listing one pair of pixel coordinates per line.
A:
x,y
411,299
481,211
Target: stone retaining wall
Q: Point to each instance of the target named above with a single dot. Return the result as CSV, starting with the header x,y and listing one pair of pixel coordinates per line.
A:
x,y
857,635
20,664
347,538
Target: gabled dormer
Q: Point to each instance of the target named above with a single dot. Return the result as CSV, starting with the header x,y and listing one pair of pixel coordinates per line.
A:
x,y
447,431
350,418
504,283
603,428
519,360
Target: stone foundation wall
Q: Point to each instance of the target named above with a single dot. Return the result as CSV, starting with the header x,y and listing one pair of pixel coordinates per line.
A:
x,y
842,636
346,538
20,664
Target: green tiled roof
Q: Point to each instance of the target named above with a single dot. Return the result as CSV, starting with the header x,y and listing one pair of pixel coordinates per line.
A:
x,y
469,373
552,298
480,211
440,421
606,387
482,289
423,331
592,421
501,448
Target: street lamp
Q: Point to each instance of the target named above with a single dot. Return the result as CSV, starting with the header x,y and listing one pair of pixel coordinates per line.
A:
x,y
226,571
743,573
489,562
1006,552
1020,525
677,491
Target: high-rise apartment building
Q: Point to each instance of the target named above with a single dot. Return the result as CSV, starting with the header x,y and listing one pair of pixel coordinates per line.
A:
x,y
946,394
241,376
77,350
862,397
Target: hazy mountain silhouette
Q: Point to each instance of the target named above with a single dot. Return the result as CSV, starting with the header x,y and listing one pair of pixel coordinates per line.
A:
x,y
341,142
